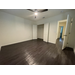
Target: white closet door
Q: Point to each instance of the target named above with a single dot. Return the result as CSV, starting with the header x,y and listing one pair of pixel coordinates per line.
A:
x,y
34,31
46,32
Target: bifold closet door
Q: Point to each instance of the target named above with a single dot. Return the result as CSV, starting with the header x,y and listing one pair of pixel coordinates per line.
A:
x,y
46,33
34,31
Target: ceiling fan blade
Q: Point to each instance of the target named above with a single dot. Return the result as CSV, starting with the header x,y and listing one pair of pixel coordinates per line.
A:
x,y
43,10
30,10
38,10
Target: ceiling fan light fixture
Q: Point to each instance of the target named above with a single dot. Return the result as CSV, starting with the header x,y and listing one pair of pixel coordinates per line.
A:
x,y
36,13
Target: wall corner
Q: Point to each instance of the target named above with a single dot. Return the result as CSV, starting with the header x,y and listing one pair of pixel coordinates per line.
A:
x,y
0,48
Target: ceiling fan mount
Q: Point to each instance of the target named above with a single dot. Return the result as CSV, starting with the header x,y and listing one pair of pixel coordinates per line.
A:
x,y
36,10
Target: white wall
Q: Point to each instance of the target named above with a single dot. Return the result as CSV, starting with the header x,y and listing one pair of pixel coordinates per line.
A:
x,y
34,31
40,31
54,23
45,38
14,29
52,32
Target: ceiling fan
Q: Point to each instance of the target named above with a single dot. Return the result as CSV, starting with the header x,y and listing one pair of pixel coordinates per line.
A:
x,y
36,11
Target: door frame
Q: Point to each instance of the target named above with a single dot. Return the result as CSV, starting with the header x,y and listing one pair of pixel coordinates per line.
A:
x,y
58,27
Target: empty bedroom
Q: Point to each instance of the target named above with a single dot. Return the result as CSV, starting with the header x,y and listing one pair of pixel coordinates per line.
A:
x,y
33,36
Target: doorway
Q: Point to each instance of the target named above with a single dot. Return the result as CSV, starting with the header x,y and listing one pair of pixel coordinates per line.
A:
x,y
60,33
61,29
43,32
40,31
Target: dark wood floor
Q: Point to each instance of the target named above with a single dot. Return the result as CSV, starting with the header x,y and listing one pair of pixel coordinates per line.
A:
x,y
36,52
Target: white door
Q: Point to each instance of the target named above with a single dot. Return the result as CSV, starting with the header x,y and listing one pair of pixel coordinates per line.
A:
x,y
34,31
67,30
46,27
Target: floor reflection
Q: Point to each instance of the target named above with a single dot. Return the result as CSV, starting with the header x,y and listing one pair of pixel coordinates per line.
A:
x,y
36,52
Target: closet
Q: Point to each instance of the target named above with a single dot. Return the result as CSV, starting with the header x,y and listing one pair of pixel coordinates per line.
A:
x,y
40,31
